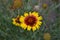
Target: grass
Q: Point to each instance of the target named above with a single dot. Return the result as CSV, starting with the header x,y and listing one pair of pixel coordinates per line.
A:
x,y
51,21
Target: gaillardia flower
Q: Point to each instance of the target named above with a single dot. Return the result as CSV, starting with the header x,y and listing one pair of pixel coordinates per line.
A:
x,y
44,6
47,36
16,21
17,4
31,21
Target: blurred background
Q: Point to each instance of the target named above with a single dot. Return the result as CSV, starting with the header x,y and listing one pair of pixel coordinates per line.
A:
x,y
49,9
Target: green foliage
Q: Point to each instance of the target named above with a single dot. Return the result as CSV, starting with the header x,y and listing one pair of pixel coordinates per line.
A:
x,y
51,21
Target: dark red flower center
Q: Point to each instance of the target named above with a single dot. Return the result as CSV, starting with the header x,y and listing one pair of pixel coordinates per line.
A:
x,y
30,20
17,20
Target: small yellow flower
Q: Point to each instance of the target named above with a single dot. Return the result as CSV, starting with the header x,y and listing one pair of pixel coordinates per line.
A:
x,y
44,6
31,21
16,21
47,36
17,4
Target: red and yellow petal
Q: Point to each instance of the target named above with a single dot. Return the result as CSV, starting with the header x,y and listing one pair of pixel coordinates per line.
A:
x,y
30,21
